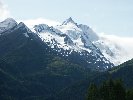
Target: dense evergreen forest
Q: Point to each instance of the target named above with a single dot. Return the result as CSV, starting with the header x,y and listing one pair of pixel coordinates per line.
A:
x,y
109,90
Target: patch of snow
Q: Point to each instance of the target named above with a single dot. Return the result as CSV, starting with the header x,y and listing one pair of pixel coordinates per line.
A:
x,y
26,35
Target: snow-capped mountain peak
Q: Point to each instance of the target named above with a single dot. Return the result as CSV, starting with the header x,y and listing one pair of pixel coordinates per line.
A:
x,y
73,38
9,20
40,28
68,21
7,24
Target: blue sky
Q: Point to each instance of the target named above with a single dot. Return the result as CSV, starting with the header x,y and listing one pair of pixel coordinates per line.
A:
x,y
108,16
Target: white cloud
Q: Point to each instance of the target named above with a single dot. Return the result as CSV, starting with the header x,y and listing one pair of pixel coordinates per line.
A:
x,y
31,22
4,12
125,43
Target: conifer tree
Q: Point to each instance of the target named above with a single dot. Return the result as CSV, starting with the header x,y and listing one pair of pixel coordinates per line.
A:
x,y
120,92
129,95
93,92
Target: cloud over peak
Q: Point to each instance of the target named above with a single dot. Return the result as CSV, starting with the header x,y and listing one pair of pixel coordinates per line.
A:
x,y
125,44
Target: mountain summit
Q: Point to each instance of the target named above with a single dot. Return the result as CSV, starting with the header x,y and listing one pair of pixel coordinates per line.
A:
x,y
7,24
69,20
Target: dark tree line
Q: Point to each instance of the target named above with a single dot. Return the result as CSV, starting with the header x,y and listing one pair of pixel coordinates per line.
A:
x,y
109,90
